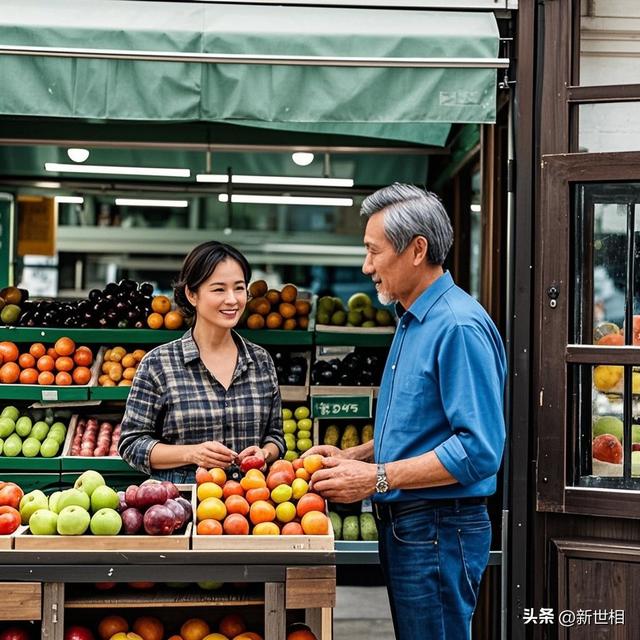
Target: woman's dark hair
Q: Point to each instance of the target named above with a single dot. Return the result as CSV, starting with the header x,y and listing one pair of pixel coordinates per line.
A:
x,y
198,267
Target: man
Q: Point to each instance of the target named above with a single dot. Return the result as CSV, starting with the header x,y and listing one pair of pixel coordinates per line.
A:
x,y
439,428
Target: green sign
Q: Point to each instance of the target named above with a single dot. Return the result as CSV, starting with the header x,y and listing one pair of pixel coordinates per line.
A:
x,y
341,406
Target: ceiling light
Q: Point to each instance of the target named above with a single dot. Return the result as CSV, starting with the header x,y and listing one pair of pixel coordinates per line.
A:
x,y
166,172
139,202
223,178
69,199
251,199
78,155
302,158
476,208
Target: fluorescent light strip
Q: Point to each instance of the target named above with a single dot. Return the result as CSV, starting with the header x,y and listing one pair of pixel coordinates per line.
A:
x,y
69,199
250,199
476,208
279,180
166,172
138,202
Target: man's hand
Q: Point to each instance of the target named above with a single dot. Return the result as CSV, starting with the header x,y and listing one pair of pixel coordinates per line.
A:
x,y
342,480
211,454
325,450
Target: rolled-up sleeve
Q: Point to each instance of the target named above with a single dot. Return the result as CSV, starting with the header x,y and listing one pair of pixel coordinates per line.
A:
x,y
144,406
273,431
471,381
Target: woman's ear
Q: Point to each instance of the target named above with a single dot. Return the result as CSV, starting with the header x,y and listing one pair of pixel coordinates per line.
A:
x,y
190,296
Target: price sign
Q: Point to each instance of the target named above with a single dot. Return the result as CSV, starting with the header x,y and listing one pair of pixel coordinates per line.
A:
x,y
341,406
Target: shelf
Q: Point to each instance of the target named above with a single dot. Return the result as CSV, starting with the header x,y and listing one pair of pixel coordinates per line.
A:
x,y
353,339
269,337
324,390
43,393
109,393
90,336
38,464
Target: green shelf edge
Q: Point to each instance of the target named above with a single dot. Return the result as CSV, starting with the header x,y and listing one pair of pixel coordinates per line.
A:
x,y
90,336
19,464
269,337
109,393
34,392
326,338
115,465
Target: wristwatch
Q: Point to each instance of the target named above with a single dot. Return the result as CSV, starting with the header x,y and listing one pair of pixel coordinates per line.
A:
x,y
382,484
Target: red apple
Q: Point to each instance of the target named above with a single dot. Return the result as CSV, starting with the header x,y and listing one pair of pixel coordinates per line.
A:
x,y
151,494
178,512
130,495
607,448
14,633
159,520
186,505
105,586
172,490
78,633
131,521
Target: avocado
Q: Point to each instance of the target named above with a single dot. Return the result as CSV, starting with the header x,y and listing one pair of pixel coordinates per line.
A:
x,y
350,528
336,523
368,530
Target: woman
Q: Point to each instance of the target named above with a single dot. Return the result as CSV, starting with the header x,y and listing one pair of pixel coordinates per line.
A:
x,y
210,398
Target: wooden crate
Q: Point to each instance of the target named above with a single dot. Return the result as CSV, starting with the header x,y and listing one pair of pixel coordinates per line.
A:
x,y
259,543
20,601
25,541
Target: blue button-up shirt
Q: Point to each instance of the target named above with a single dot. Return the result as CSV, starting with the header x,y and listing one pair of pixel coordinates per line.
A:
x,y
442,390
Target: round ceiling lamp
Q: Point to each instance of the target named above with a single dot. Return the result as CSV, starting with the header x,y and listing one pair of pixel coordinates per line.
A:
x,y
302,158
78,155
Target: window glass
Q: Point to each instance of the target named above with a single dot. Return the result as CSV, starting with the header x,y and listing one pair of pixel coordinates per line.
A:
x,y
614,126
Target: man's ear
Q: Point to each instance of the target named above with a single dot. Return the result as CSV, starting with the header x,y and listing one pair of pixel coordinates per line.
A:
x,y
420,249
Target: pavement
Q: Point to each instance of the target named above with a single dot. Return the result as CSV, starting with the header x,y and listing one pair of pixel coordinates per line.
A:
x,y
362,613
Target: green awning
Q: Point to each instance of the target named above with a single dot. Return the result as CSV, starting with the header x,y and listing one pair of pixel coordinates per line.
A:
x,y
375,101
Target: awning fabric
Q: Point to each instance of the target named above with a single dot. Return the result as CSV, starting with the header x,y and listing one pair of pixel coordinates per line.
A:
x,y
375,102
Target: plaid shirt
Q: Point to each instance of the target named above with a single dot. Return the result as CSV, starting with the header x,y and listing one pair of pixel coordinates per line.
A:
x,y
174,399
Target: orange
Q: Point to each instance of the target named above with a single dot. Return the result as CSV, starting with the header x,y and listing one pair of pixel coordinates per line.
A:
x,y
209,527
173,320
202,476
81,375
236,525
45,363
232,625
237,504
310,502
303,322
261,306
287,310
289,293
194,629
248,635
83,357
262,511
218,475
255,321
303,307
266,529
65,347
29,376
301,634
26,361
9,372
46,377
230,488
8,351
161,304
315,523
155,321
273,296
52,353
312,463
209,490
258,288
63,379
110,625
64,363
37,350
211,508
148,628
253,495
274,320
290,324
292,529
175,637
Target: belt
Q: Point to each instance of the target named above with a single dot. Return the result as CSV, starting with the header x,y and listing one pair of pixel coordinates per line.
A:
x,y
386,511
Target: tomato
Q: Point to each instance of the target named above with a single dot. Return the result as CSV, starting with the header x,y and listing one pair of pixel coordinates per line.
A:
x,y
10,495
9,520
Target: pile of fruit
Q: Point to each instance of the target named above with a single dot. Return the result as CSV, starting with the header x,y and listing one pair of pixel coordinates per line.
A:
x,y
297,428
163,316
347,436
119,367
91,440
359,312
291,369
19,434
11,301
609,334
273,309
361,367
154,508
608,436
62,365
353,527
10,496
279,503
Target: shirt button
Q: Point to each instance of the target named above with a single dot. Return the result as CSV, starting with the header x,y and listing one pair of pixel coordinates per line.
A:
x,y
393,366
404,326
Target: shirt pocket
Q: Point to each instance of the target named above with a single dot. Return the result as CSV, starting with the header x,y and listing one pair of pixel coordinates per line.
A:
x,y
406,412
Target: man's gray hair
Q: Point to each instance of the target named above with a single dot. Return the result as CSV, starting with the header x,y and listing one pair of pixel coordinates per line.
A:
x,y
410,212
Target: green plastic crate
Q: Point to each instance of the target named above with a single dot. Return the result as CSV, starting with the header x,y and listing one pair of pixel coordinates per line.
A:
x,y
47,482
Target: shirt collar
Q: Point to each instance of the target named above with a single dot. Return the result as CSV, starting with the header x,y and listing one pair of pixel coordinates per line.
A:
x,y
190,351
423,303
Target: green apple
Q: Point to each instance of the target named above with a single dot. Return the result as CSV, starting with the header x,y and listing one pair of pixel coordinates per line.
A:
x,y
304,444
1,445
608,424
43,523
291,455
104,498
73,521
303,435
290,441
106,522
301,412
31,447
12,446
23,426
73,497
305,424
7,427
58,432
286,414
209,585
53,501
49,448
30,503
40,430
635,463
10,412
289,426
89,481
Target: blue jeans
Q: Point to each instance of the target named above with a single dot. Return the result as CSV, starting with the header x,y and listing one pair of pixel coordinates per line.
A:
x,y
433,560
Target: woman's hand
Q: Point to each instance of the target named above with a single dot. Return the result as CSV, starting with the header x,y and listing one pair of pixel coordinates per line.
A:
x,y
252,456
211,454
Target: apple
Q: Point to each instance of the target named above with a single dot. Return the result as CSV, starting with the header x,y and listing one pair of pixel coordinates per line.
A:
x,y
130,495
159,520
104,498
607,448
78,633
172,490
131,521
73,521
106,522
186,505
178,512
30,503
10,494
210,585
122,503
105,586
89,481
73,497
9,520
43,523
151,494
14,633
53,501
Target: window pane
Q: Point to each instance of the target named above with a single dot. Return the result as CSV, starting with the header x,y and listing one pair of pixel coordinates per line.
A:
x,y
614,126
609,42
